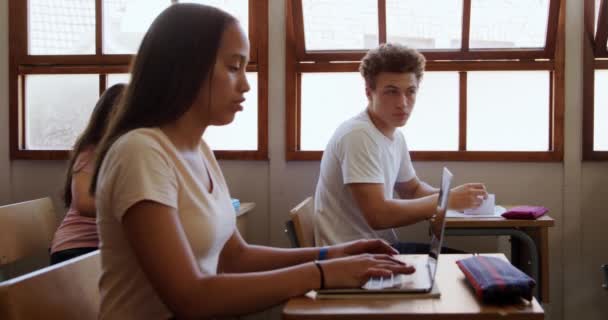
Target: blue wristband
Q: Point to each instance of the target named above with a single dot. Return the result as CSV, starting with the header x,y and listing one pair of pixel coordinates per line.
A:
x,y
323,253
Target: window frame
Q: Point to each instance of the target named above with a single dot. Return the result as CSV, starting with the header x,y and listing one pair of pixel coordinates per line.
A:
x,y
22,64
550,58
595,57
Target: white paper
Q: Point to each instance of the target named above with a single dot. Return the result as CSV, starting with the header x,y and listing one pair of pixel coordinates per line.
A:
x,y
498,210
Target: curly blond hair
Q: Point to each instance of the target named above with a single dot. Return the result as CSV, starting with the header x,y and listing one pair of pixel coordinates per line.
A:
x,y
391,57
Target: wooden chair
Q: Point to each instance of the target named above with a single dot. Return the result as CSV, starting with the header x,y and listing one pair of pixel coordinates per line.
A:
x,y
26,228
303,224
66,290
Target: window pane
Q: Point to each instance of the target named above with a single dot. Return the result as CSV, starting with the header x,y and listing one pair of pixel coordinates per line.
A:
x,y
126,21
508,23
238,8
61,27
242,133
508,111
425,24
340,24
600,113
57,108
433,125
328,99
325,106
113,79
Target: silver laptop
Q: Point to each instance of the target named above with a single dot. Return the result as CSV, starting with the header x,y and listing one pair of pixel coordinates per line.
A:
x,y
423,279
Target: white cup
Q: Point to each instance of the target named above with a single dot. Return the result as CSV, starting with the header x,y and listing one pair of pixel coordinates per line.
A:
x,y
486,207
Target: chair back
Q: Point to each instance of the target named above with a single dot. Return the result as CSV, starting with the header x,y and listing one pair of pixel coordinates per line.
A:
x,y
302,217
66,290
26,228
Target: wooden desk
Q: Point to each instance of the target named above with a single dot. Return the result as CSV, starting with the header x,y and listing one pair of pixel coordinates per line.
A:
x,y
457,301
535,230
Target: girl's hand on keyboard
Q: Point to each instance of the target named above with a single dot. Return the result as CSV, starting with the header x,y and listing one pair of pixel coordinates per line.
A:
x,y
359,247
354,271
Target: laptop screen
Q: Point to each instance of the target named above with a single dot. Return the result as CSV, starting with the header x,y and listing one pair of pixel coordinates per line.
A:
x,y
437,225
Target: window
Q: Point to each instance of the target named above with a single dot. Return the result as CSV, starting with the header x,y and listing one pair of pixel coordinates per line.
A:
x,y
65,53
595,80
495,71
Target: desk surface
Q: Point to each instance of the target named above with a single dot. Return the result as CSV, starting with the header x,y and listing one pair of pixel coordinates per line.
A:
x,y
456,302
498,222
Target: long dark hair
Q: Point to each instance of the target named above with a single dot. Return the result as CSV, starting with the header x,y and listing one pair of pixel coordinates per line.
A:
x,y
175,57
92,134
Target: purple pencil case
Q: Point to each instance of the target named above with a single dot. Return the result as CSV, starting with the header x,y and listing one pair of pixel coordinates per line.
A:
x,y
525,212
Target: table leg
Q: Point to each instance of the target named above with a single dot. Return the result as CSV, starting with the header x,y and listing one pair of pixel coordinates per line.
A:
x,y
541,238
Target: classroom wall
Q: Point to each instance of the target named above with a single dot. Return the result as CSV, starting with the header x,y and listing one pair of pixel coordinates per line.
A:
x,y
4,161
573,191
593,231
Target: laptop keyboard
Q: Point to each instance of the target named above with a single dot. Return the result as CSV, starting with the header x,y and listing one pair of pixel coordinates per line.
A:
x,y
379,283
394,281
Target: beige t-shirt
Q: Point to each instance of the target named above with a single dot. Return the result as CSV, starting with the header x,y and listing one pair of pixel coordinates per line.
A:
x,y
144,165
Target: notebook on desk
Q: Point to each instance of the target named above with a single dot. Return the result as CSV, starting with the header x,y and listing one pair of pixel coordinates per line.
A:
x,y
498,211
422,281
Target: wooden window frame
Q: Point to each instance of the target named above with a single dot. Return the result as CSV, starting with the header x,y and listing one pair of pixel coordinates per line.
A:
x,y
21,63
550,58
595,57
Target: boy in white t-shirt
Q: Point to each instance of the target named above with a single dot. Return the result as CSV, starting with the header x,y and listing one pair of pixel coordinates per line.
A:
x,y
367,160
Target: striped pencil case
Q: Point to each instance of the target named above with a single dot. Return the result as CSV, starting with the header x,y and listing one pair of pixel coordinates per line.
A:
x,y
495,280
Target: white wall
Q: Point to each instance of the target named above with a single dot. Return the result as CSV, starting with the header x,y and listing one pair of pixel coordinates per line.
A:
x,y
572,190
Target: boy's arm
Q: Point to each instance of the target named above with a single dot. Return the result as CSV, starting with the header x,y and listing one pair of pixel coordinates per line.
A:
x,y
381,213
414,188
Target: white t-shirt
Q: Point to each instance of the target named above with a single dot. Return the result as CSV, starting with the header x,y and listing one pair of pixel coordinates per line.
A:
x,y
357,153
144,165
